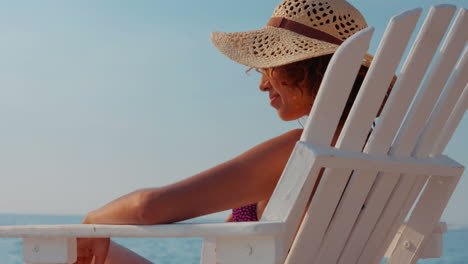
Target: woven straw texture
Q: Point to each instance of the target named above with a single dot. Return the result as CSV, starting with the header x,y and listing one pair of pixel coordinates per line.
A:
x,y
271,46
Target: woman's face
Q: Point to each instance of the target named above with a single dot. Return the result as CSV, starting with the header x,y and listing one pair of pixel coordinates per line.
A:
x,y
291,102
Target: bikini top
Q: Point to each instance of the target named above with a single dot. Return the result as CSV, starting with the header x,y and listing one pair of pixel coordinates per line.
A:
x,y
246,213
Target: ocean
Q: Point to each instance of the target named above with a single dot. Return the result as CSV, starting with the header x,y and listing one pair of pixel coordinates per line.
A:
x,y
187,250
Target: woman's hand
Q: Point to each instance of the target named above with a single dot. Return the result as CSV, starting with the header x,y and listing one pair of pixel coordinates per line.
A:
x,y
89,248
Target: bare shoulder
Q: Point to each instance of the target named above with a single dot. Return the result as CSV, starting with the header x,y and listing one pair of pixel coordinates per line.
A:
x,y
289,138
294,134
274,151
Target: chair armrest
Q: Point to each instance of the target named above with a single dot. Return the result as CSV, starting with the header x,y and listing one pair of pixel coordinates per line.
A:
x,y
330,157
169,230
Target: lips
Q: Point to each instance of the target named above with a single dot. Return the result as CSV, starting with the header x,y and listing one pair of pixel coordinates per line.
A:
x,y
273,99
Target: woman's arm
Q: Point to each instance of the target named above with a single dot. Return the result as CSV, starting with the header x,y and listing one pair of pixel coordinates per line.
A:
x,y
248,178
229,219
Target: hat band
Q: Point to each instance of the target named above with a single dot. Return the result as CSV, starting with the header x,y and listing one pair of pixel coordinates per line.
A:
x,y
281,22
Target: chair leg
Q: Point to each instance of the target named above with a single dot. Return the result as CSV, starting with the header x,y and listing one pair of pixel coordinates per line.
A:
x,y
208,254
247,250
49,250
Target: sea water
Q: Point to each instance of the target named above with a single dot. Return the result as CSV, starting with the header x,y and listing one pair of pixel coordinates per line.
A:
x,y
187,250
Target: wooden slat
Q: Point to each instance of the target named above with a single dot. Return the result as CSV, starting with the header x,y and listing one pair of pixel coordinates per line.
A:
x,y
432,250
250,250
333,92
170,230
49,250
306,245
425,216
449,55
208,251
438,121
453,121
299,174
336,159
443,109
453,92
404,145
411,75
291,194
356,130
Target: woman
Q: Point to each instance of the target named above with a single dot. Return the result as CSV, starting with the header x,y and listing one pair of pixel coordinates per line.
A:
x,y
292,53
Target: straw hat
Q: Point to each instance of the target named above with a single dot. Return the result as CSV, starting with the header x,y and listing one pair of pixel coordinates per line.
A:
x,y
298,30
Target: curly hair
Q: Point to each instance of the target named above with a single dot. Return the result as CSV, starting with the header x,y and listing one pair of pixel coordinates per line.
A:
x,y
310,73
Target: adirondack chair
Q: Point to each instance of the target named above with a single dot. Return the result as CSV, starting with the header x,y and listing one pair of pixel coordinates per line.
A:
x,y
369,185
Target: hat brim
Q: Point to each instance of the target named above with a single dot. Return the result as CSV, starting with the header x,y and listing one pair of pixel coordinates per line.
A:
x,y
269,47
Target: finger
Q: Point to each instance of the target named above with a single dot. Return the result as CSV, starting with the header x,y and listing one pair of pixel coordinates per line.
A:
x,y
84,251
84,260
101,251
100,259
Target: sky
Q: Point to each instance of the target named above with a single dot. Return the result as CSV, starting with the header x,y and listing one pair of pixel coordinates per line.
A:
x,y
100,98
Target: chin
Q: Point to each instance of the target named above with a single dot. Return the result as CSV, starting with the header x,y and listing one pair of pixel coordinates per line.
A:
x,y
287,117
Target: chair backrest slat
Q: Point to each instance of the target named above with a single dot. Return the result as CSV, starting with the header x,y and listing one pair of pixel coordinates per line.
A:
x,y
377,80
395,211
339,64
445,106
356,130
311,244
452,123
439,189
333,92
411,75
436,123
449,54
439,119
290,197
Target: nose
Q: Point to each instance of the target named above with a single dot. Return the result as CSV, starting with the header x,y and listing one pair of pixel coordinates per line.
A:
x,y
265,84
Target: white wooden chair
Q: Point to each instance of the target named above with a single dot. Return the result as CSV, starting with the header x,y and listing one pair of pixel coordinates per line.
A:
x,y
367,189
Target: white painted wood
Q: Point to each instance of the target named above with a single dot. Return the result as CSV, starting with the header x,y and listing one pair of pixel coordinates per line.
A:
x,y
452,122
421,223
347,65
172,230
442,114
333,92
248,250
377,81
309,158
340,159
356,129
298,177
445,106
412,73
289,200
379,142
49,250
409,79
437,122
449,54
208,252
433,248
410,185
290,196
